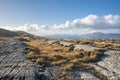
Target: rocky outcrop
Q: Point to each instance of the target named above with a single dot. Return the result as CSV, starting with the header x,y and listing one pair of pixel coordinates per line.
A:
x,y
52,42
107,68
85,47
112,64
66,44
13,64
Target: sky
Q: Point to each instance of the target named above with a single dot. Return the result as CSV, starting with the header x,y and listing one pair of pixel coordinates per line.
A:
x,y
50,17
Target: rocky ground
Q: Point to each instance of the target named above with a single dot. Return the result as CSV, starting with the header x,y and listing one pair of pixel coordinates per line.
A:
x,y
111,63
14,65
108,66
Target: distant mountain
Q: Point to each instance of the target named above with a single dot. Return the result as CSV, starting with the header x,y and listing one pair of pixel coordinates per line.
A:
x,y
65,36
97,35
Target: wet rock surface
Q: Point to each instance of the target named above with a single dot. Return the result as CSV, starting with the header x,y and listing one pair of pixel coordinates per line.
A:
x,y
13,64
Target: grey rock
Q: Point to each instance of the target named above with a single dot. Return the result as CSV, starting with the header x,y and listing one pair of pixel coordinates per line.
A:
x,y
66,44
13,64
85,47
112,63
52,42
109,65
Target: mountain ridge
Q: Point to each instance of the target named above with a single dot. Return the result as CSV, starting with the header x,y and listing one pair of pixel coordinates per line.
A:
x,y
96,35
7,33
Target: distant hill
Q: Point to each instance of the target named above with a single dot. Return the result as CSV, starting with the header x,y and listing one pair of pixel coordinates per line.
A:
x,y
97,35
22,33
7,33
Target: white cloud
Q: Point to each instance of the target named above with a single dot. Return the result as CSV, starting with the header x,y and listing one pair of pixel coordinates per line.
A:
x,y
90,23
96,22
89,20
113,21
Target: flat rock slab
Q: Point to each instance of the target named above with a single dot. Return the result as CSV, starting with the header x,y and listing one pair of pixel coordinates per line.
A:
x,y
13,64
66,44
52,42
108,73
85,47
110,65
112,61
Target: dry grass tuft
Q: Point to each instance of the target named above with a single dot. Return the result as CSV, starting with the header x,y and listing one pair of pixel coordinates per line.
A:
x,y
103,44
69,59
59,55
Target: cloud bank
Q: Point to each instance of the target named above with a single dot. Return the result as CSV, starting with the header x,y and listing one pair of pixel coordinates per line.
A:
x,y
88,24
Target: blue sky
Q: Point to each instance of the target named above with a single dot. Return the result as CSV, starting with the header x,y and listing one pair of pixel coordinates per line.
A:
x,y
51,12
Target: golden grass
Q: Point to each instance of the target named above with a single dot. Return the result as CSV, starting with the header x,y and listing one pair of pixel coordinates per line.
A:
x,y
104,44
68,59
107,46
41,52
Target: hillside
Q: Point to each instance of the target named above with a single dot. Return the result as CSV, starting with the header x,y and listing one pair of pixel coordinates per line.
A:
x,y
7,33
